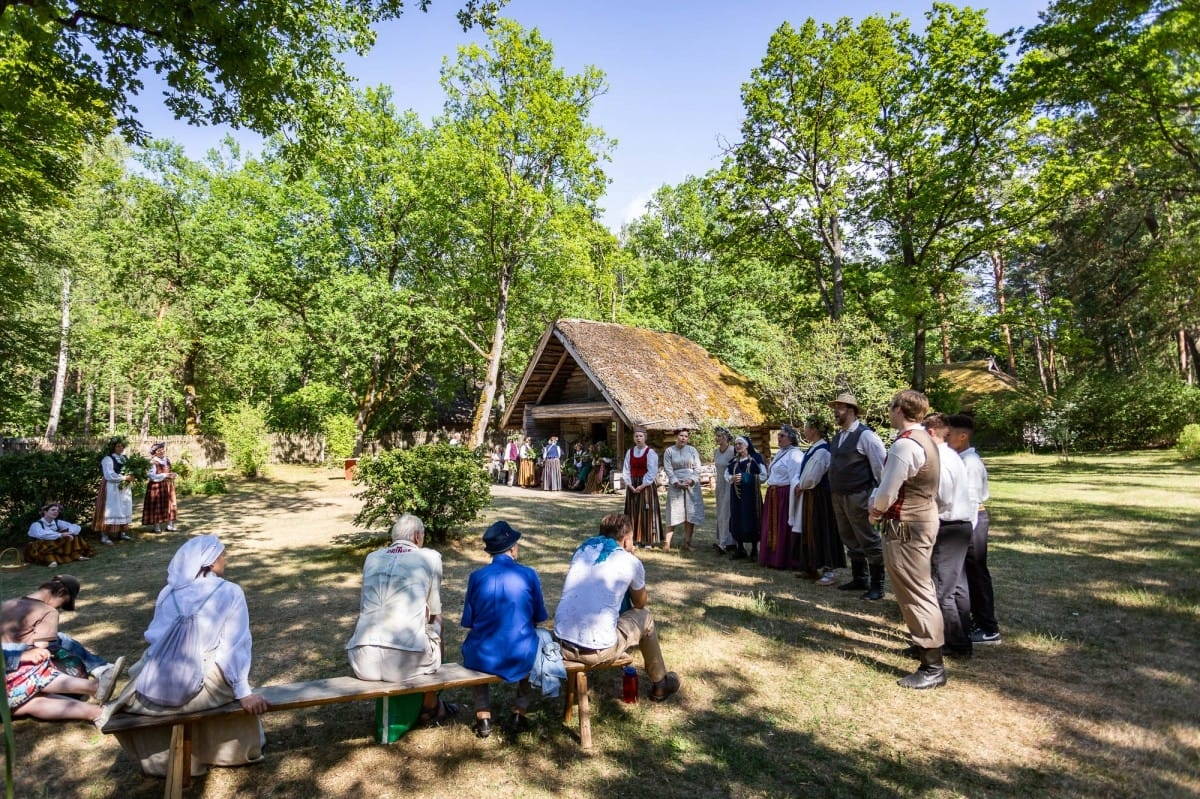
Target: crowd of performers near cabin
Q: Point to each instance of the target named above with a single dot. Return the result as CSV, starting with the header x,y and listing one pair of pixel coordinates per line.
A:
x,y
829,498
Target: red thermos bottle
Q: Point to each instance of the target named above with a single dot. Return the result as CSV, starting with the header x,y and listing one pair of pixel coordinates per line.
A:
x,y
629,685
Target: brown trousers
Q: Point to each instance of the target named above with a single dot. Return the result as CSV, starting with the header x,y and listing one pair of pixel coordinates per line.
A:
x,y
907,551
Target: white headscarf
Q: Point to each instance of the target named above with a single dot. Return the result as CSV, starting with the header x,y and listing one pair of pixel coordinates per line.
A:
x,y
194,555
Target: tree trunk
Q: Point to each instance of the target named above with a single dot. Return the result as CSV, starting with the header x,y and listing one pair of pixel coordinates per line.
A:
x,y
999,270
88,406
919,334
483,409
60,375
112,410
191,404
1041,361
1185,371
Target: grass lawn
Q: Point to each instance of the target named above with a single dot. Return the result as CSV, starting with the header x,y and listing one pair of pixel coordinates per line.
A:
x,y
788,688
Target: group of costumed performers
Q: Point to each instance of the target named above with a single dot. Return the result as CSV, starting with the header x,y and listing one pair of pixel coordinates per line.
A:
x,y
53,540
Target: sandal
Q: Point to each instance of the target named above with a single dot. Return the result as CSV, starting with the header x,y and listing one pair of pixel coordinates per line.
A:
x,y
437,715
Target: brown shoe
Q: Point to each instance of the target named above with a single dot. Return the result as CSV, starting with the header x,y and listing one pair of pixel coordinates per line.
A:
x,y
664,687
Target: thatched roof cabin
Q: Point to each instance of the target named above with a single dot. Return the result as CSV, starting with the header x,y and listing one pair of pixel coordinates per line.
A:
x,y
591,376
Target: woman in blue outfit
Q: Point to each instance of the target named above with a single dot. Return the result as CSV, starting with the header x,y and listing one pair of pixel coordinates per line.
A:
x,y
503,606
745,474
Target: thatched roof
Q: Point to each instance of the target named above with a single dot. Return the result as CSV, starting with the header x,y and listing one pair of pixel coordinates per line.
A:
x,y
974,380
660,380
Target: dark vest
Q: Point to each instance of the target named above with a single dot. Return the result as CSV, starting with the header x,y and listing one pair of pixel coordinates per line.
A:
x,y
815,448
849,469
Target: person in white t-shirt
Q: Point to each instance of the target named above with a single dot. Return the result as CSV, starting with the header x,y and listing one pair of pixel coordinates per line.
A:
x,y
589,623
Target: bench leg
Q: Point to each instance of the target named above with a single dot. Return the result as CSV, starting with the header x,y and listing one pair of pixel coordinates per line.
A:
x,y
585,713
179,766
569,698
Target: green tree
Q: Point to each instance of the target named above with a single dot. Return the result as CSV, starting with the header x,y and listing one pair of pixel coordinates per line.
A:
x,y
522,164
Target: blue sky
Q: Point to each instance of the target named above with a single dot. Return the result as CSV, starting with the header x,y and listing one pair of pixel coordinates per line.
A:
x,y
674,69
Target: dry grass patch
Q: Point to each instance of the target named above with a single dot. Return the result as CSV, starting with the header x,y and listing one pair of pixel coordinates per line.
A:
x,y
789,688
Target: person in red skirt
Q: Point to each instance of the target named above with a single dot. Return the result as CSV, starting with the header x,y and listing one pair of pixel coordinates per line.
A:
x,y
641,494
783,475
159,507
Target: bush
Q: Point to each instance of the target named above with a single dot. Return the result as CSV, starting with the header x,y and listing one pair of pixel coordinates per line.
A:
x,y
1113,411
203,481
28,480
1010,421
340,435
441,484
244,430
1189,443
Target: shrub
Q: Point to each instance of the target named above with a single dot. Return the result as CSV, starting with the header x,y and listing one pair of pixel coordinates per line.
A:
x,y
30,479
1010,421
340,436
441,484
203,481
1113,411
244,430
1189,443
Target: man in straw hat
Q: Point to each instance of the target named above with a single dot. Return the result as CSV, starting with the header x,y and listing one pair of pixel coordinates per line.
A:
x,y
503,607
856,462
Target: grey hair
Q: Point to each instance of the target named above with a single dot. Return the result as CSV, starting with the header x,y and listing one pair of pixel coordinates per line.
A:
x,y
407,528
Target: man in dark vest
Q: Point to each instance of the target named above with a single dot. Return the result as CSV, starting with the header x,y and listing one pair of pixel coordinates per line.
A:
x,y
905,504
856,461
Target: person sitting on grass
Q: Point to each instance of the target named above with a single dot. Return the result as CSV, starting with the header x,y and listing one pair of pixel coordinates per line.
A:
x,y
399,631
44,669
503,606
53,541
589,624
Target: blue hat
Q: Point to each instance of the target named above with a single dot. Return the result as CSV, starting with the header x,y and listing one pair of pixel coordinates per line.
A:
x,y
500,537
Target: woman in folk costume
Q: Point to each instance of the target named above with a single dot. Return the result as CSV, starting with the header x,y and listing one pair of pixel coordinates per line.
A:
x,y
552,466
775,541
114,500
159,506
723,455
598,474
818,547
196,587
745,474
685,502
641,494
526,476
53,541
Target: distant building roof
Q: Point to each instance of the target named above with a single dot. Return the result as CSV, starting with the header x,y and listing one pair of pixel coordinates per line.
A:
x,y
660,380
973,380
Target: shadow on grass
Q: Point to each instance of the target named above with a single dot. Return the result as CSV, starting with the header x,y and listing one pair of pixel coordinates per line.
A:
x,y
1097,668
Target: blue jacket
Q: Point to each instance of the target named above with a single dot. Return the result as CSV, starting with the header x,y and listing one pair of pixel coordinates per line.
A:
x,y
503,605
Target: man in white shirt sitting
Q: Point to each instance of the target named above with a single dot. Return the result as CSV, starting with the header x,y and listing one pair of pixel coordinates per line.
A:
x,y
589,623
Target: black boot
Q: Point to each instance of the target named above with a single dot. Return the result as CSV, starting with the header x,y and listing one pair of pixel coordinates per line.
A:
x,y
875,592
931,674
739,552
858,576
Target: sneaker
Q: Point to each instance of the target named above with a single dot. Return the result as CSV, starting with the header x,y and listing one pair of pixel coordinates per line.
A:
x,y
106,541
170,528
978,636
664,687
83,557
124,537
52,564
106,679
828,578
158,528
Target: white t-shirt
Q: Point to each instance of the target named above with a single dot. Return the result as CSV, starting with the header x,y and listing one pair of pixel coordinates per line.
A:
x,y
592,595
401,590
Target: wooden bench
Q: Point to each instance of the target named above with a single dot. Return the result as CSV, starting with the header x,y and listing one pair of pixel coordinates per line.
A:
x,y
290,696
332,690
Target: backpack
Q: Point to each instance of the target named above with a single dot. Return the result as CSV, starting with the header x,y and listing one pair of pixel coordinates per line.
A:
x,y
173,672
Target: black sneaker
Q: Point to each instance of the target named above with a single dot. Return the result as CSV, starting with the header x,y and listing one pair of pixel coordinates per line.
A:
x,y
978,636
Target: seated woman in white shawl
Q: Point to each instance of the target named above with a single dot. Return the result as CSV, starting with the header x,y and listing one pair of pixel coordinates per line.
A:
x,y
195,585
